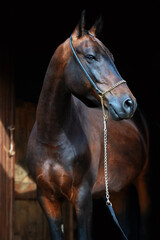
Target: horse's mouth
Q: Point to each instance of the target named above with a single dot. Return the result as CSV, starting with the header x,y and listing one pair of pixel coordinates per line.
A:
x,y
113,113
115,116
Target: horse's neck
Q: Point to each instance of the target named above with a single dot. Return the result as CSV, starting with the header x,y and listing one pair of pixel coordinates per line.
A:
x,y
54,103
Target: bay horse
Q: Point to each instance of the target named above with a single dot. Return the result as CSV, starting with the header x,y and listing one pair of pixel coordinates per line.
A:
x,y
65,148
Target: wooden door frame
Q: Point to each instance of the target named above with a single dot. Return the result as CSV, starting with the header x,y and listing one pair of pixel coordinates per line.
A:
x,y
6,159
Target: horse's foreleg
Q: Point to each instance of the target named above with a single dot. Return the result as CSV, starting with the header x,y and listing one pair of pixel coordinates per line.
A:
x,y
120,201
52,210
83,206
144,206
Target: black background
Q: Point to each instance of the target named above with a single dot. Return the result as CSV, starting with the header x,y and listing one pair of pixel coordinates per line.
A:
x,y
32,31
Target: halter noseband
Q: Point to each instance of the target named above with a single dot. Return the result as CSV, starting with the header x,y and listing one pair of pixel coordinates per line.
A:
x,y
100,93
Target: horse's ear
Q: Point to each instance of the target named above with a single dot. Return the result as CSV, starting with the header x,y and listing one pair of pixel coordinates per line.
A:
x,y
97,27
79,30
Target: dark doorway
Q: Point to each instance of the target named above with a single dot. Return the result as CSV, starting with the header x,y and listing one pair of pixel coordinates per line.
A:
x,y
130,32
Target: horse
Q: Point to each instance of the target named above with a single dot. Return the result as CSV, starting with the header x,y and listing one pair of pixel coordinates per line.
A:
x,y
65,148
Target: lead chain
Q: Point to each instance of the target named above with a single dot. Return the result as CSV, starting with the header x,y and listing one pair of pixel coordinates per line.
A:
x,y
106,162
105,118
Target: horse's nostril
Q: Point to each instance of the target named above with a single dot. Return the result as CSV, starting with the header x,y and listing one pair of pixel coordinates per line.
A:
x,y
128,104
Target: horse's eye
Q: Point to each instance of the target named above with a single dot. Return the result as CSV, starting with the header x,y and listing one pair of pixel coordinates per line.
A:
x,y
90,57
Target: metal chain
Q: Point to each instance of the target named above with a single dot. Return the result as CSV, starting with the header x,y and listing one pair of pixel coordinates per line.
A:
x,y
106,161
108,202
105,118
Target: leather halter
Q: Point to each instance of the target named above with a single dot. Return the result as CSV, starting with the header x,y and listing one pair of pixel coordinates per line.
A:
x,y
100,93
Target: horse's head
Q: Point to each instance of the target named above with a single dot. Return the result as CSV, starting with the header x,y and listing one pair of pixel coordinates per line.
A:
x,y
92,70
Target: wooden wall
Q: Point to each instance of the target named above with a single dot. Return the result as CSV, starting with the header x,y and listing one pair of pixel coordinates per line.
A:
x,y
6,159
30,222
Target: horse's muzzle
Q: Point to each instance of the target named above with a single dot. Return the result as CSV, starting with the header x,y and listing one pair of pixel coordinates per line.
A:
x,y
122,108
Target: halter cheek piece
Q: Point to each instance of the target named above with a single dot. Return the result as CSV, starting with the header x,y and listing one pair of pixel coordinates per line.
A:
x,y
100,93
105,117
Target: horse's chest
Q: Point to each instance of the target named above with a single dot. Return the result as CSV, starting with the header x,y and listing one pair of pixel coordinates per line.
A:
x,y
72,149
64,168
55,180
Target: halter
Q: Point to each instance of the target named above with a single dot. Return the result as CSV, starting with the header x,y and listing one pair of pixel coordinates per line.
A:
x,y
100,93
88,76
105,118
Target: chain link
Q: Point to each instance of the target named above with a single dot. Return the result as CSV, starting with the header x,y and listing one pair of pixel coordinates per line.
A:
x,y
105,118
108,202
106,161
